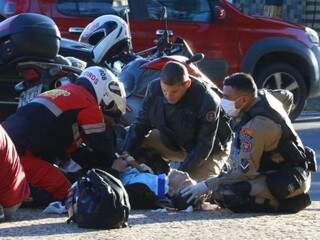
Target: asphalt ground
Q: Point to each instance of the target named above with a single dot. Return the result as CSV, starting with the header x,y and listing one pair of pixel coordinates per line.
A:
x,y
211,224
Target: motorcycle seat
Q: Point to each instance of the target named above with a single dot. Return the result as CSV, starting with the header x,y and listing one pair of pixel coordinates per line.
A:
x,y
76,49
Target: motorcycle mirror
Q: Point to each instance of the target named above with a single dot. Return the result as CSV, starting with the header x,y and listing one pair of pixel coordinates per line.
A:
x,y
195,58
124,13
164,15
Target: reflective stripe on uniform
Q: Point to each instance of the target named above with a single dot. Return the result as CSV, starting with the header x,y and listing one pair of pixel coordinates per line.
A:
x,y
93,128
49,105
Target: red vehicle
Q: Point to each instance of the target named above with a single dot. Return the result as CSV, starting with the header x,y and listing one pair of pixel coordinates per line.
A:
x,y
277,53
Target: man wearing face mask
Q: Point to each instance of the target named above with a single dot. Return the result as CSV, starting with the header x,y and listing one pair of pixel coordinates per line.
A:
x,y
269,168
182,115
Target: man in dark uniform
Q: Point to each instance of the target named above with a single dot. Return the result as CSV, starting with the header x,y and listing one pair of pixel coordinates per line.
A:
x,y
59,122
182,115
269,168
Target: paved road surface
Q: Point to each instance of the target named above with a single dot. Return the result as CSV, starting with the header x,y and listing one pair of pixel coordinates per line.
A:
x,y
201,225
216,224
309,131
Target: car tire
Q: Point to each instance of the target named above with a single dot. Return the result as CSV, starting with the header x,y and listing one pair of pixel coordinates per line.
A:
x,y
284,76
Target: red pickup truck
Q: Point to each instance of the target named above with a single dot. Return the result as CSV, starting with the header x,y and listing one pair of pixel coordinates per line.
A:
x,y
278,54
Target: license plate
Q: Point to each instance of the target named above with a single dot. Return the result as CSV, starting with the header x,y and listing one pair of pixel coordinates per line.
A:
x,y
29,94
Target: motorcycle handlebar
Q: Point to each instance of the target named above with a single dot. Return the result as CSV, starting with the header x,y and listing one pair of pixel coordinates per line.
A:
x,y
155,52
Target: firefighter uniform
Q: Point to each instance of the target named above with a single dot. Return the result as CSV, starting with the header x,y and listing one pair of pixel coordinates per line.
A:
x,y
55,125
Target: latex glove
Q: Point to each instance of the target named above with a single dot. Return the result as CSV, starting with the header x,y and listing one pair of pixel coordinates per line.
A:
x,y
194,191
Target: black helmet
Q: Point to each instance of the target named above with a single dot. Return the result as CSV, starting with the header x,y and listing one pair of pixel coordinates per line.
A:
x,y
28,35
98,200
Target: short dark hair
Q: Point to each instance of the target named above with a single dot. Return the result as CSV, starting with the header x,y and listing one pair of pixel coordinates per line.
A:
x,y
173,73
242,82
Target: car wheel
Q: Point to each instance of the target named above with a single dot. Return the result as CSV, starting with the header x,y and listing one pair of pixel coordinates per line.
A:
x,y
284,76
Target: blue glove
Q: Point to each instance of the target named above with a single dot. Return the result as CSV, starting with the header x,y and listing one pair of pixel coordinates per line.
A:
x,y
194,191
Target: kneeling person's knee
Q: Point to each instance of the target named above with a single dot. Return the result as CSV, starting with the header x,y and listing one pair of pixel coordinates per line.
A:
x,y
289,187
237,198
233,195
287,182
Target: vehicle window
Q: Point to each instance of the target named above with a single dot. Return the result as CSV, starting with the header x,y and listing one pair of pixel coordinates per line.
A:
x,y
1,6
249,7
186,10
89,7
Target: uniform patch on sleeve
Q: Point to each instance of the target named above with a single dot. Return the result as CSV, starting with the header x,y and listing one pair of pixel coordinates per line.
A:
x,y
246,139
210,116
244,164
246,146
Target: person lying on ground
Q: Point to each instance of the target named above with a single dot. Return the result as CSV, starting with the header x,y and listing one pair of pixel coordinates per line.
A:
x,y
147,189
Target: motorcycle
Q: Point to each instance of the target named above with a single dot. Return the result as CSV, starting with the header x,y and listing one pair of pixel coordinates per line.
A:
x,y
42,70
106,42
29,45
38,77
138,68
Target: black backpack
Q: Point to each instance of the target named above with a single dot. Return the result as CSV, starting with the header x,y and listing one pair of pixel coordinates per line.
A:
x,y
102,202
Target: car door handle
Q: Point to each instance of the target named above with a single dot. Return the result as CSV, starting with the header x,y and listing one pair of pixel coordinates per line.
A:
x,y
76,29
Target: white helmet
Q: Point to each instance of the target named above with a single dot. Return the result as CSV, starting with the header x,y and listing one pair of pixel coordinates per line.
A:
x,y
109,34
109,90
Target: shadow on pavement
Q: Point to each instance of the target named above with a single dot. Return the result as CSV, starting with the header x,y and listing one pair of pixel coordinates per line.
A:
x,y
150,217
42,229
25,214
39,226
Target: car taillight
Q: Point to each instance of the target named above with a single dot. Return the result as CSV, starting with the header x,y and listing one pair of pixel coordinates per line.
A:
x,y
31,75
11,7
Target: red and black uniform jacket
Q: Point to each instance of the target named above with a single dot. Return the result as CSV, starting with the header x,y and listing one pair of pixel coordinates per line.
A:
x,y
57,123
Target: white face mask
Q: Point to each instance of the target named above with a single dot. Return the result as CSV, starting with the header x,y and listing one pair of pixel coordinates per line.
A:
x,y
229,107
